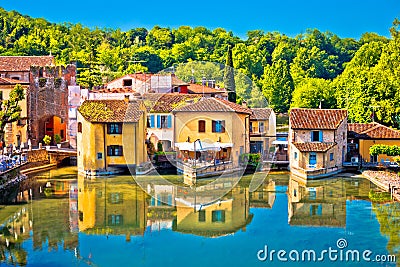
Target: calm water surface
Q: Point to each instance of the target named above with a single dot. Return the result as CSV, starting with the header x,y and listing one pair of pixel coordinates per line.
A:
x,y
66,220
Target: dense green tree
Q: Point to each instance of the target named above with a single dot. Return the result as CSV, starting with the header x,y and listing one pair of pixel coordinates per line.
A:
x,y
314,93
277,85
10,109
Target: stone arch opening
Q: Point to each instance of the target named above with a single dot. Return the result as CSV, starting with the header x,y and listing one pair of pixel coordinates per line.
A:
x,y
51,125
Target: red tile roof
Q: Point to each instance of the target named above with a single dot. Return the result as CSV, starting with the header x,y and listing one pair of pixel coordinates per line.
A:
x,y
260,113
199,89
214,105
110,111
314,146
144,77
24,63
373,131
316,118
165,103
114,90
11,81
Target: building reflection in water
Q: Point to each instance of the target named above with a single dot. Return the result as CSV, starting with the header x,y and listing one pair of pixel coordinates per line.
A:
x,y
264,196
323,202
111,206
224,216
48,219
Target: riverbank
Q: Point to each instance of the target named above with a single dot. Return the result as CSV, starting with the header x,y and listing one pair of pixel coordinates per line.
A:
x,y
33,167
385,180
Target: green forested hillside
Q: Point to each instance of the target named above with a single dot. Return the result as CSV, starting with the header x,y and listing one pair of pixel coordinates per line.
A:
x,y
301,71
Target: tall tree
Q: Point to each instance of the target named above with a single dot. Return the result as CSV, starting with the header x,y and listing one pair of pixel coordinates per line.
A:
x,y
277,85
229,76
10,108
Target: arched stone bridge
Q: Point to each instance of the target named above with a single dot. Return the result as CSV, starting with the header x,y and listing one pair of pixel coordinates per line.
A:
x,y
52,155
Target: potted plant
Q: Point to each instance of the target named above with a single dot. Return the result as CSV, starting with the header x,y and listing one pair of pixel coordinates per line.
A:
x,y
46,141
57,139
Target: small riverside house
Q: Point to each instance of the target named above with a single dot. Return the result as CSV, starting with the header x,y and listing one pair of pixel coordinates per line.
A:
x,y
216,127
361,136
111,136
317,141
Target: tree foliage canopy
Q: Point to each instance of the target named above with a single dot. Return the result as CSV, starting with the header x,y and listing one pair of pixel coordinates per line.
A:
x,y
364,73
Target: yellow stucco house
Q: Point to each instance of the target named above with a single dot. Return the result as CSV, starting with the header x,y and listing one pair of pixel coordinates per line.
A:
x,y
16,132
111,136
220,127
361,136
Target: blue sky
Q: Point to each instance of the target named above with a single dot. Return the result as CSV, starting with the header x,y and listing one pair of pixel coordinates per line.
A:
x,y
346,18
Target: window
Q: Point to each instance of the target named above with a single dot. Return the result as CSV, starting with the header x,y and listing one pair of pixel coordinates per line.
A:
x,y
331,156
114,151
295,155
99,155
151,121
316,136
218,126
114,128
115,198
79,127
115,219
62,134
251,127
260,127
127,82
202,126
218,216
164,121
202,216
61,120
15,78
313,158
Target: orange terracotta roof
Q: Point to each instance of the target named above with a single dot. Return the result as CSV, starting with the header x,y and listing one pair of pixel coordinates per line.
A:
x,y
373,131
199,89
24,63
177,82
314,146
260,113
165,103
214,105
114,90
11,81
316,118
144,77
110,111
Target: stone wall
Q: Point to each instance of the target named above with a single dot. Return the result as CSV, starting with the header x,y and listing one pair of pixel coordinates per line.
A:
x,y
39,155
47,96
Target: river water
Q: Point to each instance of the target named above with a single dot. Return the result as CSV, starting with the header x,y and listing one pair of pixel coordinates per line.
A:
x,y
62,219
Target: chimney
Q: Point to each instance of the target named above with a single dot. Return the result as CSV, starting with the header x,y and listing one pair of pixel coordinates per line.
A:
x,y
244,104
126,98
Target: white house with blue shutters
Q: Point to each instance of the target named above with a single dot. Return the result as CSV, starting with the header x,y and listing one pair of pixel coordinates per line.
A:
x,y
161,129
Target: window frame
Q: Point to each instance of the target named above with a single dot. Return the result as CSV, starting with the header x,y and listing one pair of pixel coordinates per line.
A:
x,y
201,126
115,151
114,128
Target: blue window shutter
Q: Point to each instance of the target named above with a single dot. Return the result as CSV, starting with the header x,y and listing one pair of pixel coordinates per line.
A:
x,y
321,139
151,121
311,136
158,121
169,121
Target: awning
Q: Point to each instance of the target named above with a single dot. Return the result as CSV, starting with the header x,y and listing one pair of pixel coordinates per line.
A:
x,y
202,146
279,142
